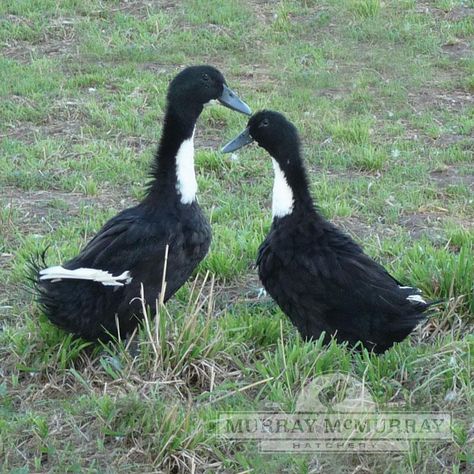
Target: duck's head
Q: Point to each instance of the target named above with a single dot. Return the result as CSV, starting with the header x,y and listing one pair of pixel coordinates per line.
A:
x,y
272,131
195,86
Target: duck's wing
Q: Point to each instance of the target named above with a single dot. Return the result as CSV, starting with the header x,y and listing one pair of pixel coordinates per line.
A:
x,y
351,282
123,241
111,235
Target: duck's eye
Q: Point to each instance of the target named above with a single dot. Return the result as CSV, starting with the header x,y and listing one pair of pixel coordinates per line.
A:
x,y
264,123
205,77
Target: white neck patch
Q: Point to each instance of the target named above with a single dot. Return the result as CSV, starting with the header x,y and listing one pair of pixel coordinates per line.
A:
x,y
186,183
282,203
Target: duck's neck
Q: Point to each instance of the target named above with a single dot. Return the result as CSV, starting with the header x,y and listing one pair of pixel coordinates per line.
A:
x,y
290,189
173,170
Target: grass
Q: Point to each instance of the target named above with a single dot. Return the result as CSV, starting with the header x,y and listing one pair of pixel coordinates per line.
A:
x,y
382,95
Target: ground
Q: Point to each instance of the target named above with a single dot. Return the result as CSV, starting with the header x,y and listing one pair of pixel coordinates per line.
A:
x,y
382,94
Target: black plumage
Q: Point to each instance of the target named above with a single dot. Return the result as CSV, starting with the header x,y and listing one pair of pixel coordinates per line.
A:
x,y
79,297
317,274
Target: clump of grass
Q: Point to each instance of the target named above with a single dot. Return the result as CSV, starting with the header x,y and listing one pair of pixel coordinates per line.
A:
x,y
169,438
237,254
48,349
181,346
440,272
185,346
368,158
469,84
366,8
294,363
89,187
282,19
447,5
255,324
355,131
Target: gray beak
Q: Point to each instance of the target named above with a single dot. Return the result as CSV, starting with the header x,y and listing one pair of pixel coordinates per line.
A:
x,y
238,142
229,99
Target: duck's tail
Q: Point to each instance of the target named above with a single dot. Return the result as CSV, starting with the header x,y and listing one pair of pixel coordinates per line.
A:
x,y
34,264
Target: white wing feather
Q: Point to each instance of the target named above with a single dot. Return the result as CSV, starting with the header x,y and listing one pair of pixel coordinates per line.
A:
x,y
59,273
416,298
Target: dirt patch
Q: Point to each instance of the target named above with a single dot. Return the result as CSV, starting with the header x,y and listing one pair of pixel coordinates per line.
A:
x,y
437,102
268,12
457,50
28,132
453,14
257,78
66,118
24,52
439,99
355,227
66,121
452,139
450,176
158,68
247,290
423,224
141,9
333,93
38,212
430,224
265,11
208,140
459,13
58,40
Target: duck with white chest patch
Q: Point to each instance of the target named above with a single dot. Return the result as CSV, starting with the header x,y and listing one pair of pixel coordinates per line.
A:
x,y
318,275
89,294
